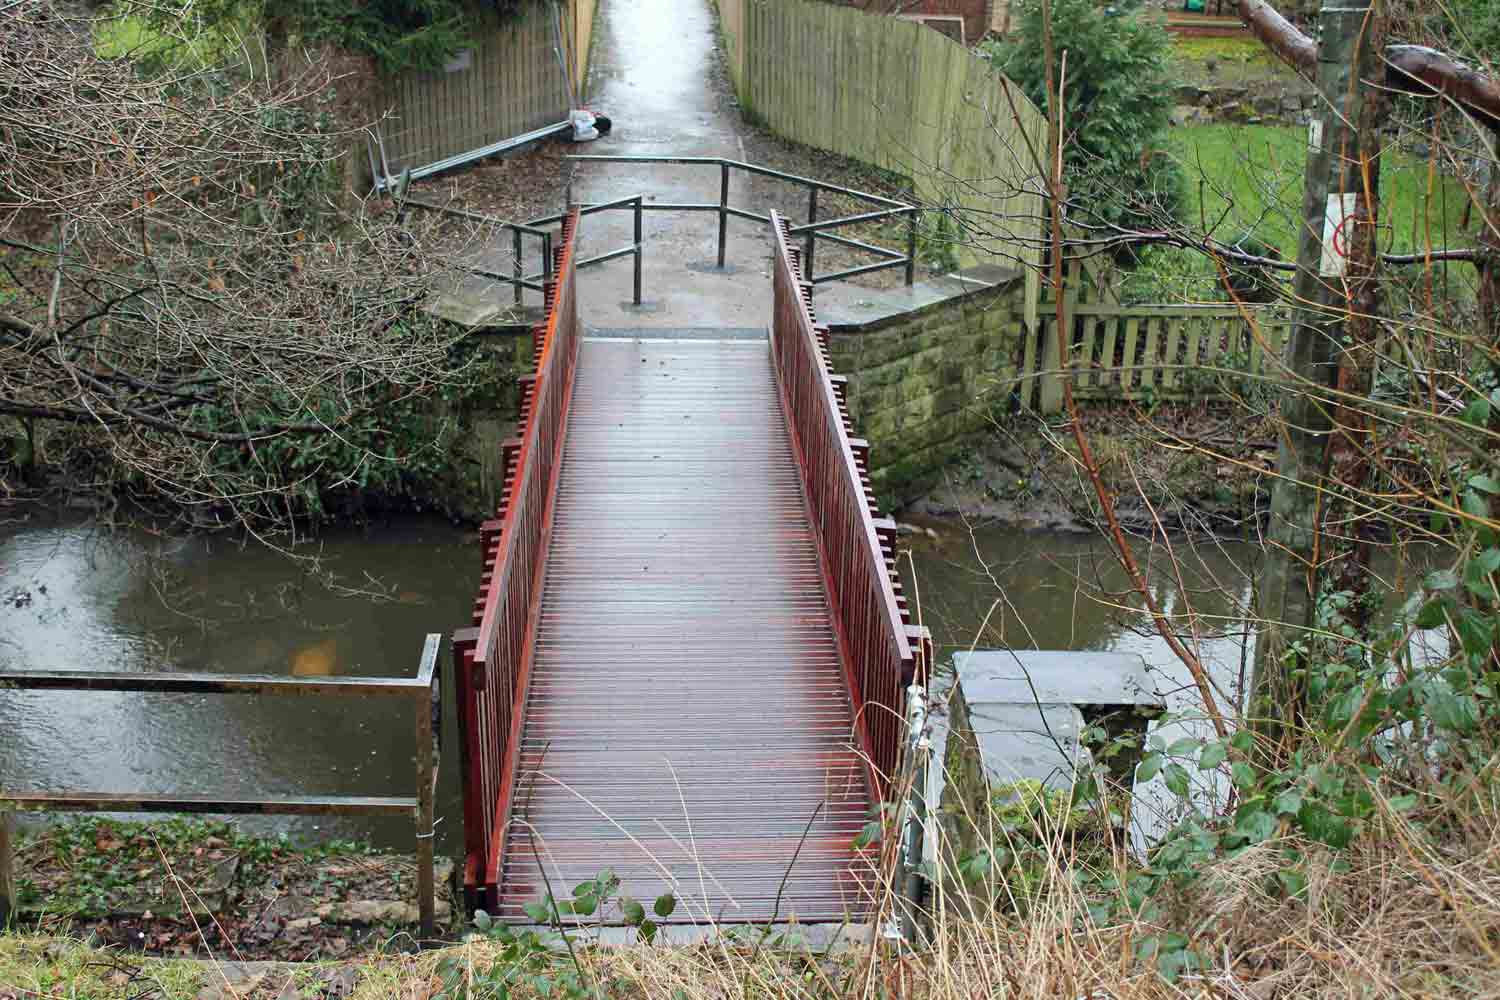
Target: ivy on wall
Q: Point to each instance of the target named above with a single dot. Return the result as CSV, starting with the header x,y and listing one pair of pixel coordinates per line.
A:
x,y
401,35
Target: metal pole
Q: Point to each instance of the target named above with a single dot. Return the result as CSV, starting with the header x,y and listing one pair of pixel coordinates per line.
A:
x,y
812,236
912,836
8,901
638,218
723,211
426,894
519,266
546,257
911,246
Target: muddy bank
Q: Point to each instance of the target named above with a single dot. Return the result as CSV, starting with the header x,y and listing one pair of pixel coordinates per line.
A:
x,y
1199,468
191,888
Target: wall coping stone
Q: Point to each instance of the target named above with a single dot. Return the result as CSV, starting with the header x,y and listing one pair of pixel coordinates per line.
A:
x,y
850,309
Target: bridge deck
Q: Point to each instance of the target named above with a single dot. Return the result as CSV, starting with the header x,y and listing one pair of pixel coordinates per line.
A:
x,y
687,720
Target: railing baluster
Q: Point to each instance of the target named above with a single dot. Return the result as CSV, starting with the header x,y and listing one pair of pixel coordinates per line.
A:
x,y
502,642
870,624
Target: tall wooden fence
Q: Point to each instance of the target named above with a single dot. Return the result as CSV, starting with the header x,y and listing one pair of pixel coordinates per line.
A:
x,y
510,83
902,97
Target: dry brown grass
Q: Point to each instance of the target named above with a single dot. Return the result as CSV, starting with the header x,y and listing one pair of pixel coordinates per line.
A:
x,y
1412,909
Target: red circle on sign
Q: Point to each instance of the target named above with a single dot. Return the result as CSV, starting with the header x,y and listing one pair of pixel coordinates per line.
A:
x,y
1340,245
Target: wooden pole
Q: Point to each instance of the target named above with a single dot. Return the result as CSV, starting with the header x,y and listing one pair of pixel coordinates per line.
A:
x,y
1338,210
426,775
8,901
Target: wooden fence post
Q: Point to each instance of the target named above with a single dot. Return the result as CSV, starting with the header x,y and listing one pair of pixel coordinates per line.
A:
x,y
9,903
1052,354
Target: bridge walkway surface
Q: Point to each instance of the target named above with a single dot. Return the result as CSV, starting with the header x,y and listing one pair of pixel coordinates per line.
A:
x,y
690,662
688,725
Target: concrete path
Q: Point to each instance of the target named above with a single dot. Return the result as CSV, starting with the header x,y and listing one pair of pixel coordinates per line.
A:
x,y
653,73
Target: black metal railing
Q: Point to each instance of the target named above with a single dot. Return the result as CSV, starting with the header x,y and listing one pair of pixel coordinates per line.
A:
x,y
545,229
424,690
811,231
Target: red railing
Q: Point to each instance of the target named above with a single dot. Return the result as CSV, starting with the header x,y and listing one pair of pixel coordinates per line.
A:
x,y
493,660
882,651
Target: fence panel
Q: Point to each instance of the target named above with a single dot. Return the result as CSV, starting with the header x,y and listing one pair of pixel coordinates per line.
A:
x,y
1163,351
509,84
900,96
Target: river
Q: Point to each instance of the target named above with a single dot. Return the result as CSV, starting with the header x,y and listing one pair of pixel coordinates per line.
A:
x,y
79,597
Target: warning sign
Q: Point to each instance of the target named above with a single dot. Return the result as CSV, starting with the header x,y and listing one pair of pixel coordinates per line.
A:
x,y
1338,233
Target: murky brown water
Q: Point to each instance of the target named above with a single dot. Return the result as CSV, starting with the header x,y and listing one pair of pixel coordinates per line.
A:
x,y
80,598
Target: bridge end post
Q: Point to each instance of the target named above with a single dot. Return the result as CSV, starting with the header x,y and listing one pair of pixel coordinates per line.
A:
x,y
723,211
9,903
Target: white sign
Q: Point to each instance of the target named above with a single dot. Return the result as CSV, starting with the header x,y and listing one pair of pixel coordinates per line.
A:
x,y
1315,135
1338,231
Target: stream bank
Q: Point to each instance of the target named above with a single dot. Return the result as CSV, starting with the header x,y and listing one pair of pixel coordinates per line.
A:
x,y
1201,468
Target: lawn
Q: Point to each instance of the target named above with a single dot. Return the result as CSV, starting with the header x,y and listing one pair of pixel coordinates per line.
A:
x,y
1248,179
1235,60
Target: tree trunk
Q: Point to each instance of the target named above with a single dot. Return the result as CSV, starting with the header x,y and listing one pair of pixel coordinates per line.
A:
x,y
1339,209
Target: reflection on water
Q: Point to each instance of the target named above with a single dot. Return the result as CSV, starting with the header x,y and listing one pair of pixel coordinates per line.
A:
x,y
79,598
993,588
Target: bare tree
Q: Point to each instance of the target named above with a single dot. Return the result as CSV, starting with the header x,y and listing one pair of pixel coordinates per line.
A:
x,y
195,306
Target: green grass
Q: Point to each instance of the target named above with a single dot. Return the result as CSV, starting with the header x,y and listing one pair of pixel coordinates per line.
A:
x,y
1236,61
127,36
1248,179
1243,51
1254,173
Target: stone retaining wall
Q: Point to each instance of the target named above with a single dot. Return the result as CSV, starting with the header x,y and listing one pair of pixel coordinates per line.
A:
x,y
924,382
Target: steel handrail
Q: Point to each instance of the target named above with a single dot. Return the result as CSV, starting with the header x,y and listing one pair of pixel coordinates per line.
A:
x,y
813,229
875,638
425,689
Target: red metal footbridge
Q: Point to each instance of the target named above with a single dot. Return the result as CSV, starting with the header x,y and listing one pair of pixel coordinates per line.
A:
x,y
690,651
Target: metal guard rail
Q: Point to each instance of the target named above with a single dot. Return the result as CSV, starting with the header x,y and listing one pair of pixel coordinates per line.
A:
x,y
424,690
812,231
494,658
883,653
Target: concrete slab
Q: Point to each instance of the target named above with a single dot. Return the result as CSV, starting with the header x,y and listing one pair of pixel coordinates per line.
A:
x,y
819,939
1027,742
843,307
1055,677
679,333
1014,715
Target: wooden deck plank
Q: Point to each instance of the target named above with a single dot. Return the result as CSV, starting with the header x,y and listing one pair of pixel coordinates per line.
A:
x,y
688,725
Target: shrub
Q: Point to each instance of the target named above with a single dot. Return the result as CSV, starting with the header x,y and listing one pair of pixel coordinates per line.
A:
x,y
1118,103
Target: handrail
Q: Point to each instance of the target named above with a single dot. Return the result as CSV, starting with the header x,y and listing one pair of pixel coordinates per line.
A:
x,y
424,690
813,230
520,280
875,636
495,657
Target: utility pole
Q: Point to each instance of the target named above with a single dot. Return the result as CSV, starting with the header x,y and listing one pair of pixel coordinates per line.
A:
x,y
1334,299
8,898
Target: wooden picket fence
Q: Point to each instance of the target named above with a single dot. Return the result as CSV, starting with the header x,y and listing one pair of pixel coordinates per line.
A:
x,y
1142,352
1163,351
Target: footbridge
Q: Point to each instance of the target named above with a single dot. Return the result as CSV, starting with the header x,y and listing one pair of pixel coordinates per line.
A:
x,y
690,652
